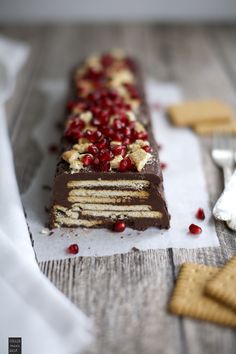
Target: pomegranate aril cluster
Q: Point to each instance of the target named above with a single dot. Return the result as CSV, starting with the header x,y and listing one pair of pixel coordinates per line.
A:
x,y
109,112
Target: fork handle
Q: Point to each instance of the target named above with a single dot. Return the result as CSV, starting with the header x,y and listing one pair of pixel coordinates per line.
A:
x,y
227,172
224,208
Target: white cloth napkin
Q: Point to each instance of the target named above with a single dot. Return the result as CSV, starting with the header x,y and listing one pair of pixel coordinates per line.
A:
x,y
30,306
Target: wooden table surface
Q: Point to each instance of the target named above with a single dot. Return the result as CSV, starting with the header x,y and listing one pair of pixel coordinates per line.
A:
x,y
127,294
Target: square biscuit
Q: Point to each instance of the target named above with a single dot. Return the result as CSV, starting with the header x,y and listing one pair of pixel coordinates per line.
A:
x,y
189,298
215,128
223,286
191,113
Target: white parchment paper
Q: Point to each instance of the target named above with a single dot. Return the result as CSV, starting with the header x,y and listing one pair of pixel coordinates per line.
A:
x,y
183,180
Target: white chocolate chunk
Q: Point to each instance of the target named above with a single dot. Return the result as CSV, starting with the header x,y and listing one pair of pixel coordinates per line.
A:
x,y
86,117
83,141
70,155
137,145
131,116
76,165
115,163
81,147
140,158
118,53
139,127
121,77
115,143
94,62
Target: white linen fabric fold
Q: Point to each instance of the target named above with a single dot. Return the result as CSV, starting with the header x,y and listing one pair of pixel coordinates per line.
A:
x,y
30,306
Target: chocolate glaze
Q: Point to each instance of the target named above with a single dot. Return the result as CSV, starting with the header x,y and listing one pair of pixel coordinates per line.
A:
x,y
151,172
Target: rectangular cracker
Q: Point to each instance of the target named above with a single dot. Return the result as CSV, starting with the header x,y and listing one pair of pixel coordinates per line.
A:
x,y
190,113
215,128
189,298
223,286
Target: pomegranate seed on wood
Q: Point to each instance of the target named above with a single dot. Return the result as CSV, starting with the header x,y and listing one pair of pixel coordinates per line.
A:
x,y
73,249
200,214
195,229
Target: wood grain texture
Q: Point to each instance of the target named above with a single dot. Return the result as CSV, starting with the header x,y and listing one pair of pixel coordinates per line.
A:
x,y
127,294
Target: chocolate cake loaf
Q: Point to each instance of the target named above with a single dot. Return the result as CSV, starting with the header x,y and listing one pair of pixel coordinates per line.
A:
x,y
109,173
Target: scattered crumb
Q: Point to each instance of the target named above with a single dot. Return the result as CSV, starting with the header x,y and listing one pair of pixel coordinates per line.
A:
x,y
122,237
51,233
45,231
46,187
135,249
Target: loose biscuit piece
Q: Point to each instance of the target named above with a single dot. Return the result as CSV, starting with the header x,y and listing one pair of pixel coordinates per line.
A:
x,y
215,128
190,113
189,298
223,286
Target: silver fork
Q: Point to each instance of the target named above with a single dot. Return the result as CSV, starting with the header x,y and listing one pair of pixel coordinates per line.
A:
x,y
223,155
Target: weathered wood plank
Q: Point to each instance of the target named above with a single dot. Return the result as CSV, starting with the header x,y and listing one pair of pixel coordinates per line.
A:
x,y
191,59
127,294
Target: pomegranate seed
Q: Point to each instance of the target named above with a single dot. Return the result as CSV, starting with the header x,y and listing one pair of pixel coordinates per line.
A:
x,y
92,149
126,141
141,135
107,60
87,160
200,214
127,131
96,122
105,166
118,136
74,128
119,150
118,124
124,119
73,249
103,117
147,148
95,110
125,164
163,165
96,162
108,132
93,75
53,149
105,155
194,229
119,226
70,105
93,136
103,144
132,90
